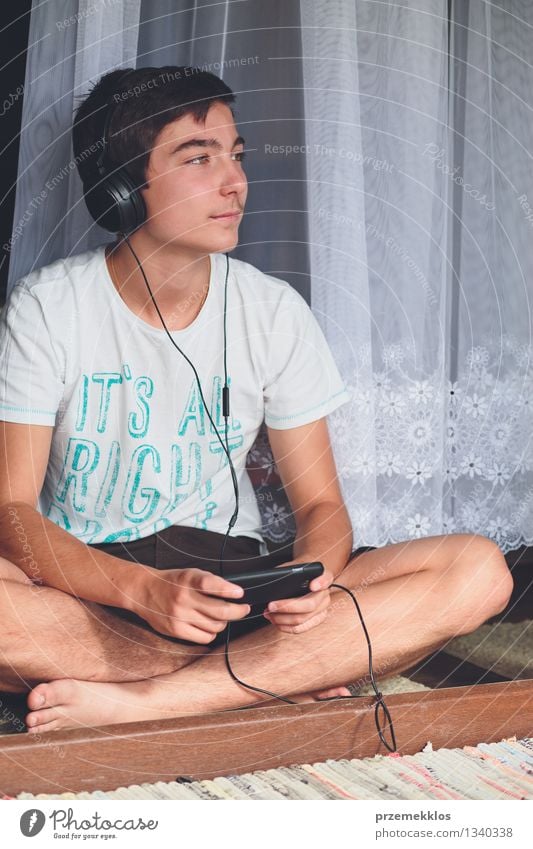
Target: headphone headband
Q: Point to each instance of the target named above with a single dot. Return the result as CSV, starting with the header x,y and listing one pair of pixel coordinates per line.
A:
x,y
109,107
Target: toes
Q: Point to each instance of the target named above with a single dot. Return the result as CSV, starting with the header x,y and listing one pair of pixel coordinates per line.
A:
x,y
41,717
49,695
42,729
37,698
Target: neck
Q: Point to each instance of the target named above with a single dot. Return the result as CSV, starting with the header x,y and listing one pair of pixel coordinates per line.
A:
x,y
177,277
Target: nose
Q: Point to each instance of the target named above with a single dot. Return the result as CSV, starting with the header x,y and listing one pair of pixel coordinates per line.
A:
x,y
233,178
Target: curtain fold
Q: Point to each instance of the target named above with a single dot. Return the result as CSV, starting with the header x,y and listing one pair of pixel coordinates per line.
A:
x,y
71,44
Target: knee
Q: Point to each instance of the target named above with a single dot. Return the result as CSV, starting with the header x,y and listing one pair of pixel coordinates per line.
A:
x,y
10,572
484,582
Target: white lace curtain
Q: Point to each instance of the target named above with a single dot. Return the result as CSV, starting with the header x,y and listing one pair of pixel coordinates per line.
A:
x,y
419,212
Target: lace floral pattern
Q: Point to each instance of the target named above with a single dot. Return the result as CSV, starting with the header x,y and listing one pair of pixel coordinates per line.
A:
x,y
278,524
419,457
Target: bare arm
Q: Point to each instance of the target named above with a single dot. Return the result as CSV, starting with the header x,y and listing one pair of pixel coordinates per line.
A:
x,y
306,465
307,470
51,556
45,552
177,602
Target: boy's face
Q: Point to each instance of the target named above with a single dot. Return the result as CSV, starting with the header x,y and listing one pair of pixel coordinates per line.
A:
x,y
189,188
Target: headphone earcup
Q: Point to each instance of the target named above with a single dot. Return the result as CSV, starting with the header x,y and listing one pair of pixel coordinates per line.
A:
x,y
115,202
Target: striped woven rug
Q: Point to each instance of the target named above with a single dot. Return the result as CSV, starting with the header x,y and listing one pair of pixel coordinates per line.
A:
x,y
501,770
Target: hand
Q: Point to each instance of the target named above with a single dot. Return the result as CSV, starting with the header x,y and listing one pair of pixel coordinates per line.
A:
x,y
297,615
178,602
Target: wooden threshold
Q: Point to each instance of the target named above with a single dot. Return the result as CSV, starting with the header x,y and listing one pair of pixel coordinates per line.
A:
x,y
113,756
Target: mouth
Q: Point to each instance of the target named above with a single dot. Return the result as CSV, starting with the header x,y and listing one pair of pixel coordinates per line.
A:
x,y
227,216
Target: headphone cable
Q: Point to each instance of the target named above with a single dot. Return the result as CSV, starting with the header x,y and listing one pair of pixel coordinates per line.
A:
x,y
225,410
225,391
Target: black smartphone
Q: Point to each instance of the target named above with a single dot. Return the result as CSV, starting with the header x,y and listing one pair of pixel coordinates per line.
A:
x,y
272,584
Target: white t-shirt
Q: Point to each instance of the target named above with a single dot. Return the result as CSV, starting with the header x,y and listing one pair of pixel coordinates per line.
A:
x,y
133,450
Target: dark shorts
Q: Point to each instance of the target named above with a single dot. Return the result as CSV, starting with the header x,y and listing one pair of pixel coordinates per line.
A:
x,y
180,547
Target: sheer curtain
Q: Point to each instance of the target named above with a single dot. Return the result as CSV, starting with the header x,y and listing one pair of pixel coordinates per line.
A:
x,y
420,210
376,83
390,183
491,427
70,45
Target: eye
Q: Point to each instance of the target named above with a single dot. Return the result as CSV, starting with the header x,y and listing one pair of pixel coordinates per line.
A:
x,y
197,159
240,154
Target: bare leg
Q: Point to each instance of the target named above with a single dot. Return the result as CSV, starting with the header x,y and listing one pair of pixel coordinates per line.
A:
x,y
49,634
413,596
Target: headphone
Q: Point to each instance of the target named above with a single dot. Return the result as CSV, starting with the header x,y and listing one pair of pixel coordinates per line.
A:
x,y
112,197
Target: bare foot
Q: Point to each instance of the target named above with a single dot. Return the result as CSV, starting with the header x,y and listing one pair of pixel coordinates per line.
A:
x,y
334,693
305,698
69,703
317,695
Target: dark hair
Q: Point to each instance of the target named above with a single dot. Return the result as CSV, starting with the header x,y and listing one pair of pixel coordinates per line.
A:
x,y
144,102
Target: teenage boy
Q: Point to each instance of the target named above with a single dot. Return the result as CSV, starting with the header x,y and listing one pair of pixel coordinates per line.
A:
x,y
115,493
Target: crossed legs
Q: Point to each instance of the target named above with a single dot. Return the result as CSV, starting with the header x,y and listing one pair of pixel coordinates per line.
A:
x,y
48,635
414,597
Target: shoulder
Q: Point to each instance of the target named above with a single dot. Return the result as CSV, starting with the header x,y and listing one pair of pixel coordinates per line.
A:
x,y
53,282
265,289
